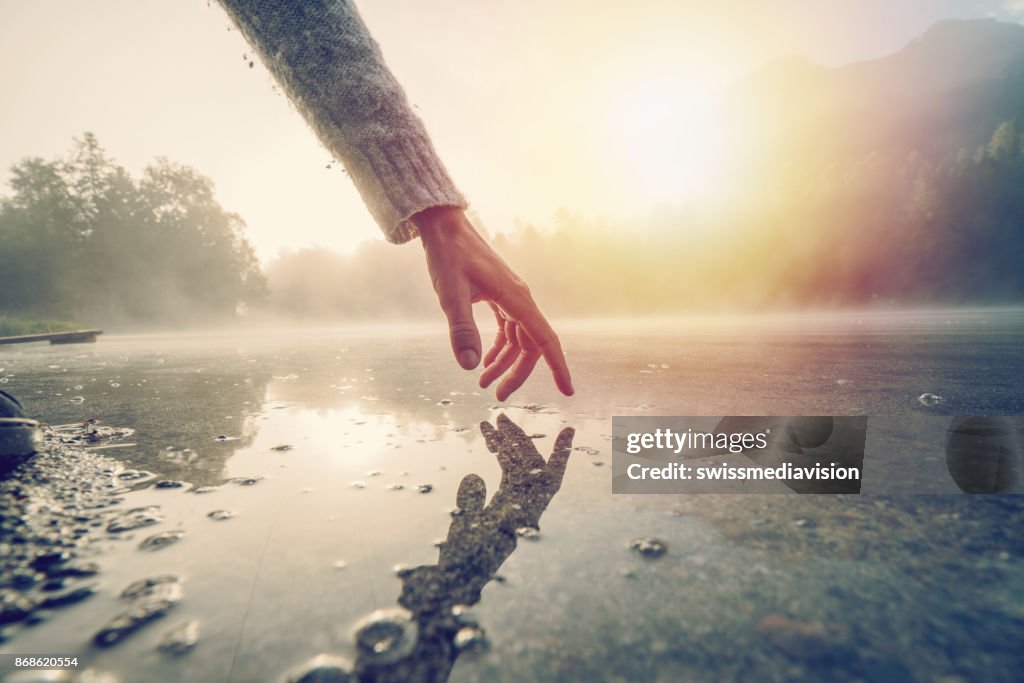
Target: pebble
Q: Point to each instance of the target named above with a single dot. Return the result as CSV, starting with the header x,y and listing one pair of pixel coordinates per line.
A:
x,y
648,547
180,639
150,599
135,518
161,540
68,597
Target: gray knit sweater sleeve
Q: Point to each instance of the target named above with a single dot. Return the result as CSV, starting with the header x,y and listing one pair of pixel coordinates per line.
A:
x,y
332,70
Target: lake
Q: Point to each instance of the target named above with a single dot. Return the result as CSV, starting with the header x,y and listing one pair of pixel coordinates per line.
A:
x,y
334,491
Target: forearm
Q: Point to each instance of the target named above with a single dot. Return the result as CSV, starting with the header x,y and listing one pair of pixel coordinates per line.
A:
x,y
332,70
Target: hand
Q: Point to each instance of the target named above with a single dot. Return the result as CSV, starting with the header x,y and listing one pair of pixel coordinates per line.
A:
x,y
465,269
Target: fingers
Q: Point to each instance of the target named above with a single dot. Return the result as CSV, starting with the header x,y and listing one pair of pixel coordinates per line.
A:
x,y
519,306
505,357
499,339
524,365
491,437
454,295
472,494
560,455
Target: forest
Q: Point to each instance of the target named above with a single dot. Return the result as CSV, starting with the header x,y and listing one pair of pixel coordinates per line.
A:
x,y
80,239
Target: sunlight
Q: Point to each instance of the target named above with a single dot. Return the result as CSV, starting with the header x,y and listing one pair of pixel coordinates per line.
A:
x,y
669,141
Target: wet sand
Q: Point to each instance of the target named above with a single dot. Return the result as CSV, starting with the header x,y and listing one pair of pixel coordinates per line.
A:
x,y
340,469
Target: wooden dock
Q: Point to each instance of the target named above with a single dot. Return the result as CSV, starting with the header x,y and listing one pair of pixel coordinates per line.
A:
x,y
75,337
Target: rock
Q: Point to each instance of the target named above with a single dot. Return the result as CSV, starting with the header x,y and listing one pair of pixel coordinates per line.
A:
x,y
151,599
648,547
14,607
68,597
162,540
180,639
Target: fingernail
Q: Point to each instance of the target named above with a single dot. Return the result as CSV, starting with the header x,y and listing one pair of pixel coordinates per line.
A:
x,y
468,358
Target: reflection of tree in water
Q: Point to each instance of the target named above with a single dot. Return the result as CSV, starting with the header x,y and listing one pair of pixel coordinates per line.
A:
x,y
480,539
177,408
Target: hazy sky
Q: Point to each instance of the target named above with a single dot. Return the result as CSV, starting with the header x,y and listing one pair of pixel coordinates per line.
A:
x,y
534,104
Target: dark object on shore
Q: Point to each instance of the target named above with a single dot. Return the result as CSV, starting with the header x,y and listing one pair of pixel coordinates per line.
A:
x,y
18,434
74,337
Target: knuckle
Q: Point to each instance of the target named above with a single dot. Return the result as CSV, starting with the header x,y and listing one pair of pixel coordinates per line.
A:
x,y
462,328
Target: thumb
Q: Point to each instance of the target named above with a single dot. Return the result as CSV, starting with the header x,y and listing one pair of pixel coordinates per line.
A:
x,y
458,307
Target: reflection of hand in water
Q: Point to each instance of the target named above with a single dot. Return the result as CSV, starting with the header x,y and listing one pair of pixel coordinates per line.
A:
x,y
480,538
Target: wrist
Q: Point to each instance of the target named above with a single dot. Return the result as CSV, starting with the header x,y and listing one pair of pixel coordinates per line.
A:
x,y
439,224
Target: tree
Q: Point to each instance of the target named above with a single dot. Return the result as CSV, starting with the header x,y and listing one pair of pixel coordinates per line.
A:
x,y
81,238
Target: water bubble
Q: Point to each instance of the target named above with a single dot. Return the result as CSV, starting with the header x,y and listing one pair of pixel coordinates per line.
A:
x,y
358,484
162,540
425,488
395,487
444,402
169,484
929,399
471,640
77,399
245,481
220,515
205,489
114,385
180,639
340,564
648,547
385,636
528,532
283,447
373,473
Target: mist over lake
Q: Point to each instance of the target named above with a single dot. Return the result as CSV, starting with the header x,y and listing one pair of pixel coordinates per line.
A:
x,y
317,475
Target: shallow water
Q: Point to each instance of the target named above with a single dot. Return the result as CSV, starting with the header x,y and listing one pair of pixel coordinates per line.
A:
x,y
321,468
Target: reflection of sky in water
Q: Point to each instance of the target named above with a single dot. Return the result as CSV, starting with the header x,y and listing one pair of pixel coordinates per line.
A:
x,y
575,604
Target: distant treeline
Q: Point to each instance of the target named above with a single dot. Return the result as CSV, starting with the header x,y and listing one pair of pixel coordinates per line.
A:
x,y
81,239
876,231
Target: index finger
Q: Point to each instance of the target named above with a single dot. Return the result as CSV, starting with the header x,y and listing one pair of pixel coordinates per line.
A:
x,y
521,307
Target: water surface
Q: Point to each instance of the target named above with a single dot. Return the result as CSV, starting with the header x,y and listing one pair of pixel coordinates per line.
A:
x,y
357,469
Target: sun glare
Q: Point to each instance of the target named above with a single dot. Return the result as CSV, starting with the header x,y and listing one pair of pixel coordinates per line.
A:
x,y
669,141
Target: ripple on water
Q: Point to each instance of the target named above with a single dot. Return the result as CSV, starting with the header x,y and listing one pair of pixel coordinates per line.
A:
x,y
323,669
385,636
